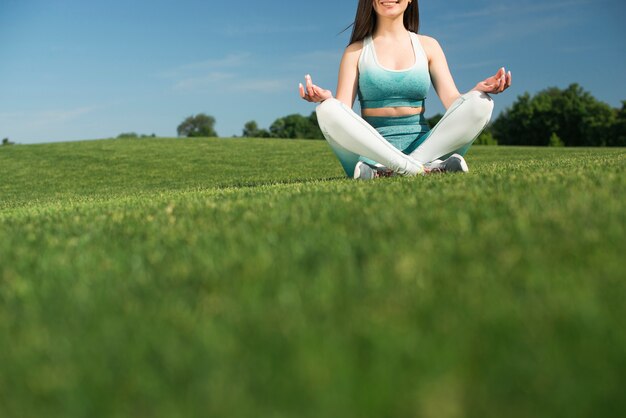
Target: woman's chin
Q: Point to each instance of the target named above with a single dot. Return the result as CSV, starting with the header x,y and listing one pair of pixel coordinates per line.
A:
x,y
388,7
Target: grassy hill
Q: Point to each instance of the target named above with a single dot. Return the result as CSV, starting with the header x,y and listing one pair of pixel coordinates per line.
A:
x,y
248,278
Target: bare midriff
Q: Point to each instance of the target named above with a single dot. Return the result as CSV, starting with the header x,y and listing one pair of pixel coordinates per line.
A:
x,y
393,111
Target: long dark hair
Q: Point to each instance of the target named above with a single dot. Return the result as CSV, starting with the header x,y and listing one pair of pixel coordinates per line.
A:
x,y
365,20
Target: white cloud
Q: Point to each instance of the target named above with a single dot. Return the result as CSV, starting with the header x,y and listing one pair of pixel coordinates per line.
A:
x,y
508,21
515,9
463,37
208,65
230,74
45,117
327,58
578,49
479,64
231,83
262,86
63,115
9,116
202,82
266,29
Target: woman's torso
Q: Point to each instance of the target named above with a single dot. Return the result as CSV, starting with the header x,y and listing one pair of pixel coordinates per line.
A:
x,y
384,91
392,101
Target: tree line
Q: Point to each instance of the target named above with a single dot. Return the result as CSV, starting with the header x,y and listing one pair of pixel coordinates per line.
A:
x,y
570,117
294,126
553,117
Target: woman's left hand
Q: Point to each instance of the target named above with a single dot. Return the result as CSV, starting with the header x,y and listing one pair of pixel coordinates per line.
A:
x,y
313,93
495,84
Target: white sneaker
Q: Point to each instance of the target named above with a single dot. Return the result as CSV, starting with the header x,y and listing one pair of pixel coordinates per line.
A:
x,y
365,171
452,164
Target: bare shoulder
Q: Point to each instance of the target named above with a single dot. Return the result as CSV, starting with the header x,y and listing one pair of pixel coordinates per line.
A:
x,y
428,41
431,45
352,53
354,48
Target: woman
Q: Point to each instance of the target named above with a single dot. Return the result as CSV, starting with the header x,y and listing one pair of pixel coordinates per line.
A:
x,y
390,68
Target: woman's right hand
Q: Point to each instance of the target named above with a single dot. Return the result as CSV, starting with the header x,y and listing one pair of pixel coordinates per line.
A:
x,y
495,84
313,93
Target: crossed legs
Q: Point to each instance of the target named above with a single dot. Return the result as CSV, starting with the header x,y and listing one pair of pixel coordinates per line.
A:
x,y
351,137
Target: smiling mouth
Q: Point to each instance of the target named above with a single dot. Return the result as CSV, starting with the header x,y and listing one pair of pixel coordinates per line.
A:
x,y
389,3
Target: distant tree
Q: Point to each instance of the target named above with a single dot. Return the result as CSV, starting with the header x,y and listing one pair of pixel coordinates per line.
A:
x,y
251,130
555,141
200,125
134,135
486,138
572,114
316,132
433,120
6,142
296,126
617,136
128,135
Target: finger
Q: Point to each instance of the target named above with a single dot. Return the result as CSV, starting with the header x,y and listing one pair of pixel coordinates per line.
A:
x,y
509,78
316,96
503,86
301,90
505,80
306,96
498,83
495,83
309,85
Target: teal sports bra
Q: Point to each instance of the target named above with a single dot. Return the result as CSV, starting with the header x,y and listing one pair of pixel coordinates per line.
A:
x,y
381,87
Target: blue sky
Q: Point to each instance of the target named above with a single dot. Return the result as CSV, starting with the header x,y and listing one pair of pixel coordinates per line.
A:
x,y
76,69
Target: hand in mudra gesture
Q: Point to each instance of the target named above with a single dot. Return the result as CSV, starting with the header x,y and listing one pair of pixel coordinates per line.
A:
x,y
313,93
495,84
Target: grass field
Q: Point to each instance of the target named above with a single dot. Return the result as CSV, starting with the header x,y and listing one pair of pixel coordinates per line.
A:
x,y
247,278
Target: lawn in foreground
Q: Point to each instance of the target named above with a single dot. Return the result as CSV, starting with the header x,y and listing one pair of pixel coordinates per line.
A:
x,y
247,278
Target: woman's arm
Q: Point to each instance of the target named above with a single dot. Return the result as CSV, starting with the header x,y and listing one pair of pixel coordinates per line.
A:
x,y
348,80
439,71
444,83
346,84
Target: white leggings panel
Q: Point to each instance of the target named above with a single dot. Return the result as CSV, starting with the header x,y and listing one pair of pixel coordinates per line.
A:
x,y
351,137
464,120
